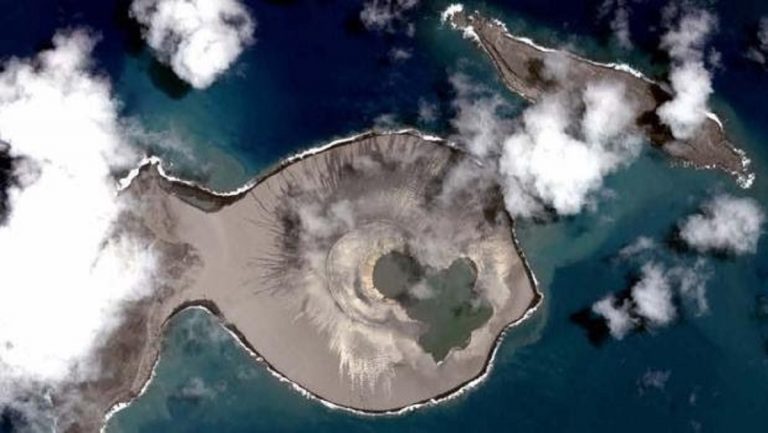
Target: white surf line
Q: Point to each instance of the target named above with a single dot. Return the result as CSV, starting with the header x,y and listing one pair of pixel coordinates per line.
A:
x,y
120,405
309,395
304,392
453,9
153,160
744,180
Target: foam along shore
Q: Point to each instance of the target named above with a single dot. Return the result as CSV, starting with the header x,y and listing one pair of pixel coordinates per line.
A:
x,y
287,266
521,64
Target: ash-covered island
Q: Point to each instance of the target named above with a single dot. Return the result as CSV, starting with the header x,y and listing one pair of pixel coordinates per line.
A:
x,y
359,272
533,71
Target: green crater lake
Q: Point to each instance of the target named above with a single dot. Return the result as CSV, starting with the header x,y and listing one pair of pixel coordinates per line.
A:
x,y
443,300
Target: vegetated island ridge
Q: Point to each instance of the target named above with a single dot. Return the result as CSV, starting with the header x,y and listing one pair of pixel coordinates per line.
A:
x,y
521,64
362,273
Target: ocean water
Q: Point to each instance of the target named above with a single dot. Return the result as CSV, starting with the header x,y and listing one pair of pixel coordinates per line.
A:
x,y
313,75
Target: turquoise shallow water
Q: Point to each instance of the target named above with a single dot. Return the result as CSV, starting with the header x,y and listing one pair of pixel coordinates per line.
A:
x,y
548,376
315,75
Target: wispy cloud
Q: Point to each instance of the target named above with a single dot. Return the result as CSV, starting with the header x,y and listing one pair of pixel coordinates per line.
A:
x,y
388,15
619,12
759,51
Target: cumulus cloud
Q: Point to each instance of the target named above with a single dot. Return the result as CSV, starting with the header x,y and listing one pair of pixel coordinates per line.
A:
x,y
617,315
386,15
759,52
691,82
555,159
726,224
67,268
652,296
198,39
545,164
652,302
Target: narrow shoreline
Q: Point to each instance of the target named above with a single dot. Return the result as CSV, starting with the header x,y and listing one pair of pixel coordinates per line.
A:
x,y
211,308
152,160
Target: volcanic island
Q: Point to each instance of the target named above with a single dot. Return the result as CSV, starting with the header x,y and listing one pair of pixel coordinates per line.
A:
x,y
523,67
369,273
358,272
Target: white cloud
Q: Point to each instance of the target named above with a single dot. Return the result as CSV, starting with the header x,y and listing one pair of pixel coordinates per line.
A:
x,y
66,270
478,123
385,14
607,115
686,41
686,112
398,55
759,52
198,39
422,291
544,164
620,27
727,224
691,82
693,285
427,111
654,379
386,122
617,315
651,301
641,244
557,157
652,296
196,389
619,20
762,33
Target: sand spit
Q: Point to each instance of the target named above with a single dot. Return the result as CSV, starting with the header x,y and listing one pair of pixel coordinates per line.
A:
x,y
286,265
522,65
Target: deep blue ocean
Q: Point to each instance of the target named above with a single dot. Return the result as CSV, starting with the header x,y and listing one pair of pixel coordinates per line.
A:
x,y
315,74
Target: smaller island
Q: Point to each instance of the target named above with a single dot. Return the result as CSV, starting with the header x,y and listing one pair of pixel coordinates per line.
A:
x,y
521,64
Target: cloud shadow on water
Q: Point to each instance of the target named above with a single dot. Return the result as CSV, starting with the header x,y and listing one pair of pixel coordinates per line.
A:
x,y
167,81
161,75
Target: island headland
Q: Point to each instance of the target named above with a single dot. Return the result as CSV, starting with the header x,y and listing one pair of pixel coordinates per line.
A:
x,y
522,65
355,272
